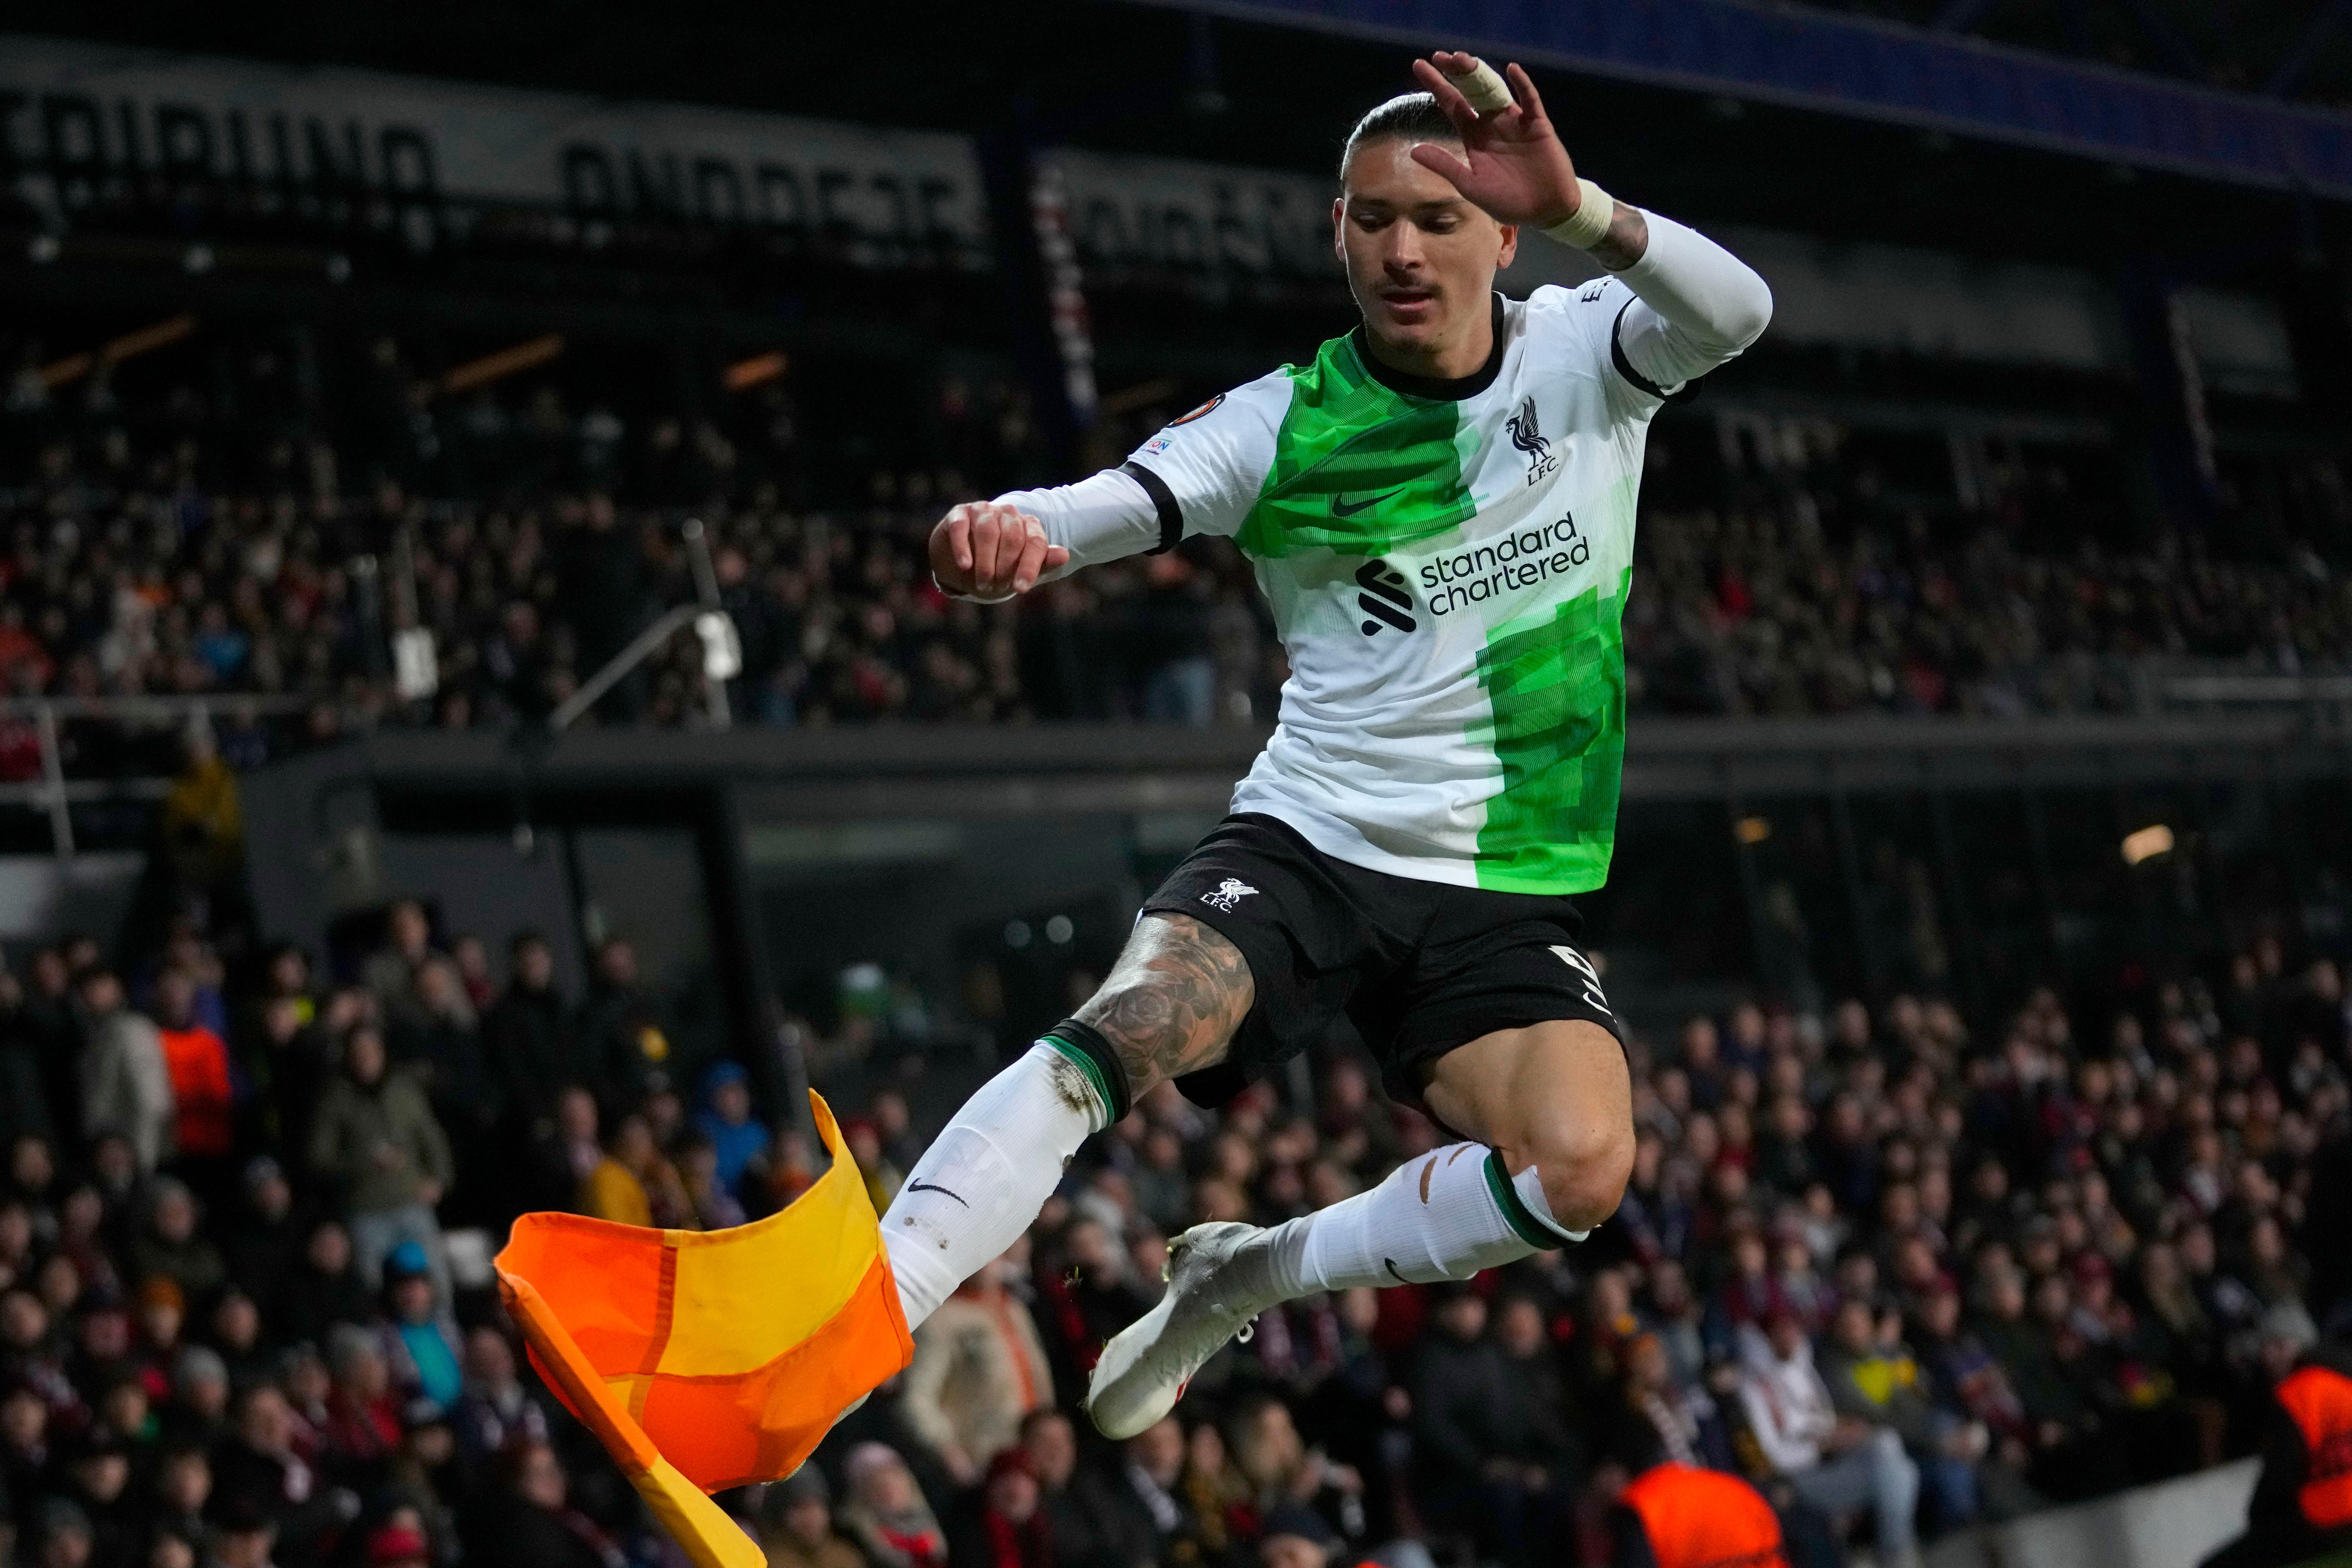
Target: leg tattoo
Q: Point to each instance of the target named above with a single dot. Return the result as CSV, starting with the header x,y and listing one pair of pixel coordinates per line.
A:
x,y
1173,1000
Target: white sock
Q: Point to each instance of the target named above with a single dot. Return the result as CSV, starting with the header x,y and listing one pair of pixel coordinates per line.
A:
x,y
985,1176
1446,1215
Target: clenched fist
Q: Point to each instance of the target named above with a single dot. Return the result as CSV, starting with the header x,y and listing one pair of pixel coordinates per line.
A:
x,y
988,551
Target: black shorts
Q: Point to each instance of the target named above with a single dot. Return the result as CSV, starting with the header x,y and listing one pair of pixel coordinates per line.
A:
x,y
1419,967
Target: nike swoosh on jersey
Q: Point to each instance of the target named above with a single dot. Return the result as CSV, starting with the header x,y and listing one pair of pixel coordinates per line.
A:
x,y
1341,509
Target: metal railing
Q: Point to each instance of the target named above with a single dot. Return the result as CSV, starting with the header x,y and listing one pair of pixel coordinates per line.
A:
x,y
2260,691
2172,704
56,794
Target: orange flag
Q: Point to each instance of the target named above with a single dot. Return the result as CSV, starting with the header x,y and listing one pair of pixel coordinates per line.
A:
x,y
705,1359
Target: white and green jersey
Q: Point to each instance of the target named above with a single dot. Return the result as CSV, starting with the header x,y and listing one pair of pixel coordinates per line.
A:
x,y
1447,563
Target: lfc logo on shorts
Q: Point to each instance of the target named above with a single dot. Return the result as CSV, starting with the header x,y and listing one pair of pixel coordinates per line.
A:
x,y
1228,893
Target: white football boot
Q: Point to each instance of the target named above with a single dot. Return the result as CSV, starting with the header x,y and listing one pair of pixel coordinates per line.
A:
x,y
1220,1278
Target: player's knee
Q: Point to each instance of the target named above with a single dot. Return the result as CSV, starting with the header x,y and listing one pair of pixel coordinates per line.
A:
x,y
1583,1167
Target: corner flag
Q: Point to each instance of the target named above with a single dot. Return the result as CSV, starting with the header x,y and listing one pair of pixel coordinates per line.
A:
x,y
710,1360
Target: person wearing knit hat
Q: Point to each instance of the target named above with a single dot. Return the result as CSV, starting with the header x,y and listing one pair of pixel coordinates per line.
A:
x,y
726,1117
1295,1536
795,1525
397,1544
198,1412
62,1517
419,1339
244,1536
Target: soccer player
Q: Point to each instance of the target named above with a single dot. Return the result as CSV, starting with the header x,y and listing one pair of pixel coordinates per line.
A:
x,y
1441,510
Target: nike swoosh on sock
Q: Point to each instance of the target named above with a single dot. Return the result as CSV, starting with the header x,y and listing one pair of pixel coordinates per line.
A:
x,y
934,1187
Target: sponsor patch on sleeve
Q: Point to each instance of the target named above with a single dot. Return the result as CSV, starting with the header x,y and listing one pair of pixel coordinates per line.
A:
x,y
1205,409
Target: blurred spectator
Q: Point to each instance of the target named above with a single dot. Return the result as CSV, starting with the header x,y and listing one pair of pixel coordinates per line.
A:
x,y
420,1341
169,1248
1835,1462
796,1525
885,1513
1876,1382
196,1060
258,1474
1295,1537
528,1521
183,1485
390,973
1673,1515
619,1030
713,1206
1093,1297
864,1141
1274,1459
65,1536
495,1411
362,1426
527,1037
376,1138
267,1239
735,1140
2302,1504
440,1046
634,1184
979,1369
1005,1524
99,1480
567,1153
324,1289
1049,1443
1659,1416
126,1083
202,820
1492,1463
1137,1505
398,1544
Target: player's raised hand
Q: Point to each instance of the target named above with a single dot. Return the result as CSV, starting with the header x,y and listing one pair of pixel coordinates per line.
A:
x,y
1517,171
989,550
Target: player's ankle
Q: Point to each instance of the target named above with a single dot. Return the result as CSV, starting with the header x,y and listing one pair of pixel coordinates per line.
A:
x,y
1280,1262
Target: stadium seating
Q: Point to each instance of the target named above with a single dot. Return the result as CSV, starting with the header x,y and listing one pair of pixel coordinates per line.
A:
x,y
2051,1252
156,548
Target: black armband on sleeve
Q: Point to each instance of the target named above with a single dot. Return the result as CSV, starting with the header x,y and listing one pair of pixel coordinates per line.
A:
x,y
1163,501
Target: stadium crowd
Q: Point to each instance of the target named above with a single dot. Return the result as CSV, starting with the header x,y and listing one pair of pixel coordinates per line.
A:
x,y
192,547
1904,1273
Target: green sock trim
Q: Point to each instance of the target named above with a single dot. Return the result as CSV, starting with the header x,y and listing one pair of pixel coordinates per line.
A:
x,y
1525,1226
1087,1065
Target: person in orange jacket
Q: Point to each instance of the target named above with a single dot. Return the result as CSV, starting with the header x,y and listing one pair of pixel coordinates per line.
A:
x,y
2302,1506
1673,1515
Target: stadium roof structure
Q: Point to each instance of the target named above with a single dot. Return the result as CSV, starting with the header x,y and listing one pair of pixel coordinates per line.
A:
x,y
1869,69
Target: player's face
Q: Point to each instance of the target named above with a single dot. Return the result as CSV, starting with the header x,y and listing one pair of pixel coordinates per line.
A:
x,y
1421,259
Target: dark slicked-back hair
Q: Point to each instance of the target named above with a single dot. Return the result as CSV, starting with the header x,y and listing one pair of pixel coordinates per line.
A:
x,y
1412,116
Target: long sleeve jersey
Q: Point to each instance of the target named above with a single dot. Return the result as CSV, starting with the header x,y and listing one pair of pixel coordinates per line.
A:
x,y
1447,563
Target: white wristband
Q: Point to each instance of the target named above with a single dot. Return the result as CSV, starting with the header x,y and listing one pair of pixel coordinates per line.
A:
x,y
1487,92
948,593
1584,227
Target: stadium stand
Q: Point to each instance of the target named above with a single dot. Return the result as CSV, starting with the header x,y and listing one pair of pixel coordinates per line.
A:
x,y
202,558
1866,1256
